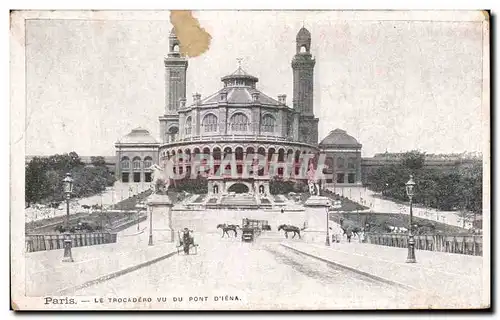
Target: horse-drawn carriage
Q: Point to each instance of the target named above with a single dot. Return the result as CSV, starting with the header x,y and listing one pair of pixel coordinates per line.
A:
x,y
186,242
252,229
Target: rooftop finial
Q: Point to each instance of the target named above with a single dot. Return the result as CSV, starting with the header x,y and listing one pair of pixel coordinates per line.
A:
x,y
239,61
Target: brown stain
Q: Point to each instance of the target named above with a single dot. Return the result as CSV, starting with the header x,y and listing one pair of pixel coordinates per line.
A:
x,y
194,40
486,15
14,306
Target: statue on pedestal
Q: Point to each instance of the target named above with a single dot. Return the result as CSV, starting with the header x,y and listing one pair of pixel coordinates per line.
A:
x,y
312,181
160,183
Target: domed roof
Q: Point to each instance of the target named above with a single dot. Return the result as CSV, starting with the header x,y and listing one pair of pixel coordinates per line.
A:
x,y
339,138
303,34
240,74
239,88
138,135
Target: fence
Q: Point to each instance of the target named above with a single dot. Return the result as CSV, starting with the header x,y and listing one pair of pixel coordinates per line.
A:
x,y
462,244
40,242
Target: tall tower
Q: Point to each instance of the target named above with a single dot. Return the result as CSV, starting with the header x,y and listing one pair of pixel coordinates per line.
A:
x,y
303,88
175,89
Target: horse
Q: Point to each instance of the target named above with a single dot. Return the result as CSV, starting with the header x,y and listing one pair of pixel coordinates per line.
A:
x,y
353,228
228,227
289,228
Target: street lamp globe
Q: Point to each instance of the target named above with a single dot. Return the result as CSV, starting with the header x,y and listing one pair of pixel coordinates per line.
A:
x,y
410,187
68,184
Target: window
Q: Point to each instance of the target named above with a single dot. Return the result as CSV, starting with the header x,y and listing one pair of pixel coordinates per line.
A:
x,y
340,178
210,123
351,177
147,177
136,163
340,163
125,163
351,164
137,177
239,122
125,177
148,162
188,125
268,123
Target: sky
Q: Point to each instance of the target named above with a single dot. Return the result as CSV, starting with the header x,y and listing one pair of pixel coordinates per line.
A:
x,y
393,85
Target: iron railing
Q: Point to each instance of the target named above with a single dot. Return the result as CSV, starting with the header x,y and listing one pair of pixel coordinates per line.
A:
x,y
41,242
461,244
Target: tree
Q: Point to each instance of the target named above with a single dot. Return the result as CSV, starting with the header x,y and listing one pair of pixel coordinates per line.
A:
x,y
98,161
460,188
413,160
279,186
466,216
44,178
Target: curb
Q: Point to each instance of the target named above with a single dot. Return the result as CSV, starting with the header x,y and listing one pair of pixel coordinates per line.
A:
x,y
115,274
363,273
133,234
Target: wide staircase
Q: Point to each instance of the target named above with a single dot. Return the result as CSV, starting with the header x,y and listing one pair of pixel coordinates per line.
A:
x,y
238,200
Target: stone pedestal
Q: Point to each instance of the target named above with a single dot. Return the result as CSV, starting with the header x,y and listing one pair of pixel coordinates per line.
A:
x,y
318,201
160,218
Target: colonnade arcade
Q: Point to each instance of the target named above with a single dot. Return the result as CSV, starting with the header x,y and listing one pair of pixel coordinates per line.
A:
x,y
185,158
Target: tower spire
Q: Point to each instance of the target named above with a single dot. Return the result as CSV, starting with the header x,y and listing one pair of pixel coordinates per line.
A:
x,y
239,62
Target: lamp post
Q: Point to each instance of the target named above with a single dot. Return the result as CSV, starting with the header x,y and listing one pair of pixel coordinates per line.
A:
x,y
138,215
150,226
68,189
410,186
327,241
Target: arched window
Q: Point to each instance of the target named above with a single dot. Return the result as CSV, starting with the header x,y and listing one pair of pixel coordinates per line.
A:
x,y
239,122
268,123
351,164
303,49
136,163
125,163
210,123
148,162
340,163
188,125
176,48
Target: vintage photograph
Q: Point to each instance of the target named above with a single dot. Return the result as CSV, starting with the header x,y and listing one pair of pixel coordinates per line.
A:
x,y
250,160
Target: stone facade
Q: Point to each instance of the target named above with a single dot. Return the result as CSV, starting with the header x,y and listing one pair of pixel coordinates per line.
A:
x,y
135,154
343,158
241,120
303,88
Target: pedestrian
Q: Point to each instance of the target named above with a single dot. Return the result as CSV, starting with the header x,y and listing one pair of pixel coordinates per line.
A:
x,y
349,235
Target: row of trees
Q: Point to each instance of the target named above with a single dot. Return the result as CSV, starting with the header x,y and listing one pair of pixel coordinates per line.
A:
x,y
459,188
44,176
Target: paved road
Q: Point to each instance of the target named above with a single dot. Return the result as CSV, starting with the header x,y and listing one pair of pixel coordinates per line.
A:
x,y
262,273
